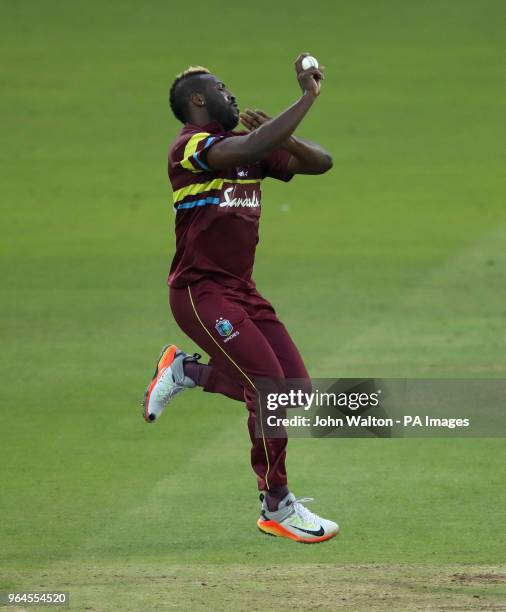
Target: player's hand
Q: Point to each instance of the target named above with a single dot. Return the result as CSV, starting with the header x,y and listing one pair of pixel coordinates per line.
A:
x,y
310,79
253,119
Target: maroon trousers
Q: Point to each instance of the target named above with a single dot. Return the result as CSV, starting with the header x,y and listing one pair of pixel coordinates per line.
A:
x,y
246,340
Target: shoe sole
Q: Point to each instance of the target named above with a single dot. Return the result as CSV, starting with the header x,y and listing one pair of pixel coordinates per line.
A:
x,y
275,529
164,360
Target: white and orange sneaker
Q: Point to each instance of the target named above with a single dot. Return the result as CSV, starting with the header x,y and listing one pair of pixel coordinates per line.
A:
x,y
294,521
168,380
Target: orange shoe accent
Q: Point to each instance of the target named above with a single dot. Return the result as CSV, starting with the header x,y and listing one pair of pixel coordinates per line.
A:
x,y
167,358
275,529
164,361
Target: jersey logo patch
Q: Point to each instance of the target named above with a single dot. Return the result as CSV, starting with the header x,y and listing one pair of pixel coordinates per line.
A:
x,y
224,327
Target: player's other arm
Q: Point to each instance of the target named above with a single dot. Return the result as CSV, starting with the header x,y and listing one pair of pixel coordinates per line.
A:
x,y
272,134
306,157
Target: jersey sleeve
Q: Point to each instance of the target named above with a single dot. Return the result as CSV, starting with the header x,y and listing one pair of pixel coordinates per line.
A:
x,y
191,155
275,165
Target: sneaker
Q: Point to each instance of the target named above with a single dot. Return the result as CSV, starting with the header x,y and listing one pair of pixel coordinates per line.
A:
x,y
168,380
293,520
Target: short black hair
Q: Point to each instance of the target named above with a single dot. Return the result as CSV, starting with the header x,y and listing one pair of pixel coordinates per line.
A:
x,y
181,90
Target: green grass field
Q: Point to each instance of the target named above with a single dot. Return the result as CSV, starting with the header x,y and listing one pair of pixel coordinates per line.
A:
x,y
391,265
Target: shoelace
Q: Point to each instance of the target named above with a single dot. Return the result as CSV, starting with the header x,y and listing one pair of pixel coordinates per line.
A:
x,y
302,511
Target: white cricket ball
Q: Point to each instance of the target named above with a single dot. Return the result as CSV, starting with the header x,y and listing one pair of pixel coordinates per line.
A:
x,y
309,62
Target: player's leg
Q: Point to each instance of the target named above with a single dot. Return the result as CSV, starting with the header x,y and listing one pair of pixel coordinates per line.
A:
x,y
223,380
294,373
218,323
287,517
286,350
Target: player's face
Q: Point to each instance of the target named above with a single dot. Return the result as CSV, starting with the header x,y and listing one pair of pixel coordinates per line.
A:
x,y
221,104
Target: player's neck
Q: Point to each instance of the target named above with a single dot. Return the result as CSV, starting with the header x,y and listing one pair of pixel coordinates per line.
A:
x,y
200,117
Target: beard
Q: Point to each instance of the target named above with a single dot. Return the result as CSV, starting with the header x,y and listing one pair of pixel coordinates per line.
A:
x,y
226,114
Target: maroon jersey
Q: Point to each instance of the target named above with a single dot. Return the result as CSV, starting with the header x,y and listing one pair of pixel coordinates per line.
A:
x,y
217,212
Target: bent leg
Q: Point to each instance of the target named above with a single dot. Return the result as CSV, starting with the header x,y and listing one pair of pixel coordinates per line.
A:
x,y
240,353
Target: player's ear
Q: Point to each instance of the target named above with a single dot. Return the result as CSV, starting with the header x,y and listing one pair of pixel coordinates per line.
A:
x,y
198,99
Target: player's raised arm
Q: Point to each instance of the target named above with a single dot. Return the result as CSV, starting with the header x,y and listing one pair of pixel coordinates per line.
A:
x,y
271,135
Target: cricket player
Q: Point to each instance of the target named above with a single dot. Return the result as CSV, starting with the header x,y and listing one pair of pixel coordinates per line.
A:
x,y
216,174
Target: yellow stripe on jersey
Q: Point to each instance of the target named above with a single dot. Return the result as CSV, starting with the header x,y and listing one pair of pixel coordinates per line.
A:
x,y
191,148
218,183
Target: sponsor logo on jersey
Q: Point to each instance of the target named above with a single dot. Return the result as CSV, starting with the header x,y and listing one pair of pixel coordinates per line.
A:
x,y
252,202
